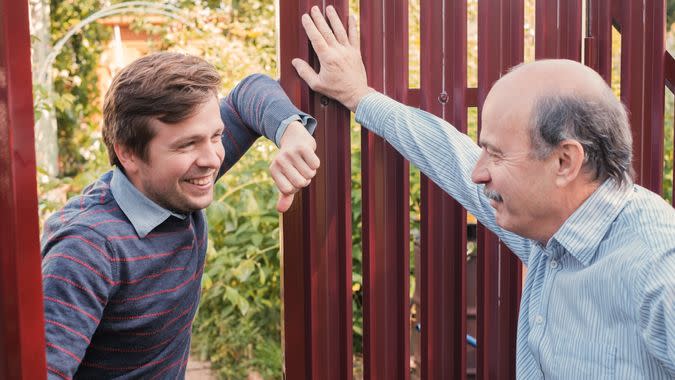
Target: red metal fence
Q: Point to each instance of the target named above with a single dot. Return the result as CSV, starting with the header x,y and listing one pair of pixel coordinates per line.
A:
x,y
317,279
317,230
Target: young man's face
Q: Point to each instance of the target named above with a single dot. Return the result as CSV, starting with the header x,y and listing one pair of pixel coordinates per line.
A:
x,y
183,160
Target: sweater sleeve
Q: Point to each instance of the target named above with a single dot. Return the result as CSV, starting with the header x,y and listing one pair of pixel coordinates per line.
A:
x,y
77,278
256,107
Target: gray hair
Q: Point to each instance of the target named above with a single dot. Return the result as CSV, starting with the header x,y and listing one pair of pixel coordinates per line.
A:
x,y
600,125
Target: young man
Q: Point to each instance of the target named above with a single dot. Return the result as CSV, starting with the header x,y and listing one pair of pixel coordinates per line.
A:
x,y
122,262
552,178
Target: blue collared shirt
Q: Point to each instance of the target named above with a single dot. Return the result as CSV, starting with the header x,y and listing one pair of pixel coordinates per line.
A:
x,y
599,297
143,213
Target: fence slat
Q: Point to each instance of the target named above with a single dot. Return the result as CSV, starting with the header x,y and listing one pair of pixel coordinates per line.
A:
x,y
642,86
385,213
22,337
317,230
500,46
598,54
558,29
443,223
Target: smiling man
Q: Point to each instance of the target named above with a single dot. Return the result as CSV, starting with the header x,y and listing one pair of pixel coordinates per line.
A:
x,y
123,261
552,178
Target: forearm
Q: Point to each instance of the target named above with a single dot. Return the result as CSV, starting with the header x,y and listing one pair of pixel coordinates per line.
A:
x,y
440,151
257,106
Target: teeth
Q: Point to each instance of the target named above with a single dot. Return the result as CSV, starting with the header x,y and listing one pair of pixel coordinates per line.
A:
x,y
200,181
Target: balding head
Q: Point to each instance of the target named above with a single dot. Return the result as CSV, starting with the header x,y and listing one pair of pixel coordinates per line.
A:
x,y
563,100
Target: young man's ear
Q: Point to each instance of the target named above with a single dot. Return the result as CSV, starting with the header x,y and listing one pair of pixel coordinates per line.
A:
x,y
570,155
127,158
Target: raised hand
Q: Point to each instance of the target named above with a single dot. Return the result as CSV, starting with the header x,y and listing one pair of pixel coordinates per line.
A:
x,y
342,75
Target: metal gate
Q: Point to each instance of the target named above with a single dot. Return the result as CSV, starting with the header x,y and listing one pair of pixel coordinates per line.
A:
x,y
316,234
317,230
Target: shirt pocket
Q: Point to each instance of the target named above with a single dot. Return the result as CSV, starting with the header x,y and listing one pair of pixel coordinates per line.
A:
x,y
584,360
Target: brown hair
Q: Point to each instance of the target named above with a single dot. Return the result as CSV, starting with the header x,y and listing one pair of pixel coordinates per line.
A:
x,y
164,86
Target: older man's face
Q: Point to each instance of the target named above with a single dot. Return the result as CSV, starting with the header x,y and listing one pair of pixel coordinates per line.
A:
x,y
521,188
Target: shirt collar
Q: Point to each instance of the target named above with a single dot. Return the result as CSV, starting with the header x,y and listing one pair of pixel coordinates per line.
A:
x,y
583,231
143,213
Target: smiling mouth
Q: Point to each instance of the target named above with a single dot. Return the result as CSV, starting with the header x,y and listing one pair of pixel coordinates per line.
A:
x,y
200,181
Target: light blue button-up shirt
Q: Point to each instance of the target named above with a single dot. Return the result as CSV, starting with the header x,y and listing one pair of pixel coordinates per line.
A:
x,y
599,297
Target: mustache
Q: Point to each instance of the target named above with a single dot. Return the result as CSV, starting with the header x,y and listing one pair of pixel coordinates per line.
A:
x,y
493,195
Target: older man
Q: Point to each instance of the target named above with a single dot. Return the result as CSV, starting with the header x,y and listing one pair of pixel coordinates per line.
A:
x,y
552,179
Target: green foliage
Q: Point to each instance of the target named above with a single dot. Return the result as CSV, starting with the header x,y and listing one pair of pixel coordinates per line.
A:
x,y
238,324
76,84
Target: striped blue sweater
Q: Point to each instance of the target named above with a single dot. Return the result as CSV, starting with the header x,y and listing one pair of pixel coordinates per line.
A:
x,y
121,274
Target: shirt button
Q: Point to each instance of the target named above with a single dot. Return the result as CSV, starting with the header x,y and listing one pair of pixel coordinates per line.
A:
x,y
554,264
539,319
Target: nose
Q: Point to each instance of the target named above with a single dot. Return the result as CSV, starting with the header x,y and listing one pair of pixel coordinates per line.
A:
x,y
211,156
480,174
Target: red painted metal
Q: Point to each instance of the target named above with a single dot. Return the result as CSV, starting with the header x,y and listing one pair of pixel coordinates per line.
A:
x,y
558,29
500,46
598,51
443,224
316,243
385,215
22,340
642,86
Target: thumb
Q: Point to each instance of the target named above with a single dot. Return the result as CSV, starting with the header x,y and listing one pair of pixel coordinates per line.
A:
x,y
306,72
284,203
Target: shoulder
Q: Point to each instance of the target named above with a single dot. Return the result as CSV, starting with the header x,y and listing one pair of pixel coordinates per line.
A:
x,y
93,214
650,219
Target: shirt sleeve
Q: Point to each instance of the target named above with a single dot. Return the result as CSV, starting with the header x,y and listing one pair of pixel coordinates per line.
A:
x,y
257,106
441,152
656,301
77,278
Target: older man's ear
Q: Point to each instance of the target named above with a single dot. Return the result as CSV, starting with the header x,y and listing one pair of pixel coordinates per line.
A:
x,y
569,163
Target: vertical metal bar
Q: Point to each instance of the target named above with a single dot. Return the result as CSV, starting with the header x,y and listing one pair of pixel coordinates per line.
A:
x,y
385,200
558,29
316,243
642,57
443,226
500,46
598,54
655,50
22,339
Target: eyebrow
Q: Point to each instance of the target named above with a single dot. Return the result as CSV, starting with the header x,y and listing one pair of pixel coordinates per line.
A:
x,y
195,137
489,146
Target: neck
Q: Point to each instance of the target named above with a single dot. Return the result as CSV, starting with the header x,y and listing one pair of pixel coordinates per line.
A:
x,y
573,196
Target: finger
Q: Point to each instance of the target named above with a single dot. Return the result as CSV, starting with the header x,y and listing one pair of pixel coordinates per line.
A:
x,y
306,72
337,26
354,34
282,183
294,177
318,42
311,159
322,26
284,202
302,166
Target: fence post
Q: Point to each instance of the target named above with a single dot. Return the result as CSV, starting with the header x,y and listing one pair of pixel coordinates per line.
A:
x,y
443,225
642,85
22,337
316,231
385,198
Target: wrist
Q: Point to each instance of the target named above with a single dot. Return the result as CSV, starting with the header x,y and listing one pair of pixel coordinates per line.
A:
x,y
294,129
353,103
